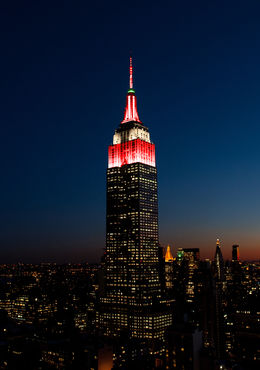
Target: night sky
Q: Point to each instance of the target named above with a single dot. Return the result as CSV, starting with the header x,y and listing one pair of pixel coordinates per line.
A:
x,y
63,83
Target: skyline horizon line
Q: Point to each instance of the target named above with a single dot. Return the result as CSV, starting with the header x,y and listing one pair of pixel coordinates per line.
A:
x,y
78,259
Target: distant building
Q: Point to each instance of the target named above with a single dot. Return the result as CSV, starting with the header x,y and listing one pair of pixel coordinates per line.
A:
x,y
235,253
179,255
168,268
219,263
191,256
168,255
183,346
219,279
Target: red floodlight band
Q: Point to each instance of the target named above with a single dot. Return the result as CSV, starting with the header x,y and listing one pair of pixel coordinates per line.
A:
x,y
133,151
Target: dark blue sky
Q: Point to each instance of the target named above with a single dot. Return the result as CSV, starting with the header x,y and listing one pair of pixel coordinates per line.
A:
x,y
64,77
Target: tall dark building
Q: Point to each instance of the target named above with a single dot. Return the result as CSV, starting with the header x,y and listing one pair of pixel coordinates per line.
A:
x,y
168,268
132,304
220,287
218,263
191,258
235,253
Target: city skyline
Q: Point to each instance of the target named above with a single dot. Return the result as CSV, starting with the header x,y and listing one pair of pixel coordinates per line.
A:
x,y
200,103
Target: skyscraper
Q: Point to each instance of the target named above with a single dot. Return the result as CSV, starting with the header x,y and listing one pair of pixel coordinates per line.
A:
x,y
132,302
191,258
219,282
235,253
218,263
168,268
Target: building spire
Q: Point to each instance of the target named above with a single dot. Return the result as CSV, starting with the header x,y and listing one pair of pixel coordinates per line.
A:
x,y
131,113
131,86
168,256
219,262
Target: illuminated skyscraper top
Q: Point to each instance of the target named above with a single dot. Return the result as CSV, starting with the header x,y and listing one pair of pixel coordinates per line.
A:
x,y
168,256
131,141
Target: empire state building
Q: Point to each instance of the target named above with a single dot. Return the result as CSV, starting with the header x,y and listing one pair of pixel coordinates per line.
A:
x,y
132,301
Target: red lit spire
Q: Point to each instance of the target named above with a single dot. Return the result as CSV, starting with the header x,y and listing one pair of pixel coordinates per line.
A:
x,y
131,75
131,113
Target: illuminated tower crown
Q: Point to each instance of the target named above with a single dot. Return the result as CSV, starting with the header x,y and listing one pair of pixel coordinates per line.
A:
x,y
168,255
131,141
